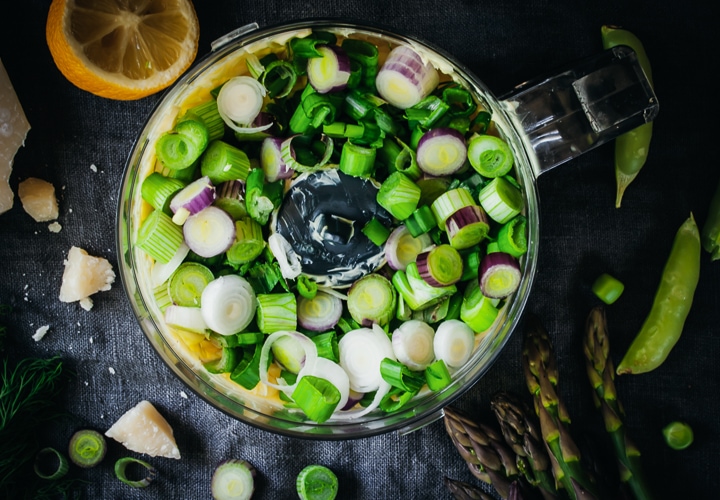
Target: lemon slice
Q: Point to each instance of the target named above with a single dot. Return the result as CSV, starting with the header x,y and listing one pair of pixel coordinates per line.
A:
x,y
122,49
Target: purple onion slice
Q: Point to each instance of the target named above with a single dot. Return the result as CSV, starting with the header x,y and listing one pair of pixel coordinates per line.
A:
x,y
330,72
500,275
467,227
193,198
441,151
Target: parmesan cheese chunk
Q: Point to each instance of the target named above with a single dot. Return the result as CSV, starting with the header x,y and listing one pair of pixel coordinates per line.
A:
x,y
85,275
13,130
142,429
38,199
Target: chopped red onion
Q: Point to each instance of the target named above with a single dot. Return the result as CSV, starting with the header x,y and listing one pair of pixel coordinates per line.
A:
x,y
441,151
330,72
404,79
500,275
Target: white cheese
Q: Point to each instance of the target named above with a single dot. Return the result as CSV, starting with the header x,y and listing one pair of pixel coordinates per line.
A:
x,y
38,199
84,275
13,130
142,429
40,333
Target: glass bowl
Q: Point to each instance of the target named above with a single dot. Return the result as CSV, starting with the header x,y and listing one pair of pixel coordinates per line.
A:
x,y
252,407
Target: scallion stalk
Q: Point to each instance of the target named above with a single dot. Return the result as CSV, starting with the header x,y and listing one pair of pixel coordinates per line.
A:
x,y
224,162
248,244
317,397
501,200
158,190
50,464
159,236
398,375
395,399
478,311
450,202
420,221
327,345
356,160
367,55
398,157
372,299
121,472
226,363
416,292
607,288
399,195
247,371
376,231
512,236
276,312
437,376
207,112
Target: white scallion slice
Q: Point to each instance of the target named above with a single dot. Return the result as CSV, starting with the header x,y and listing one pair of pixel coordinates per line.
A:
x,y
311,356
233,480
412,344
287,259
209,232
320,313
240,101
454,342
185,318
228,304
361,352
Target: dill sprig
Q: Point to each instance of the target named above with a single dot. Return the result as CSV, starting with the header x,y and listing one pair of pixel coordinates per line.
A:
x,y
29,400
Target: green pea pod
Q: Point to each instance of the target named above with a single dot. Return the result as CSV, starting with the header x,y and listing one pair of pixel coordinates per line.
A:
x,y
674,296
711,229
631,148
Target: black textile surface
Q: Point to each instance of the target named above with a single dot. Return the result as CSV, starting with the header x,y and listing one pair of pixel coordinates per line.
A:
x,y
582,236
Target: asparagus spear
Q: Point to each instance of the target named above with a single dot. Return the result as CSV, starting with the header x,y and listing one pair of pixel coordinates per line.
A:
x,y
601,373
521,431
541,377
465,491
488,457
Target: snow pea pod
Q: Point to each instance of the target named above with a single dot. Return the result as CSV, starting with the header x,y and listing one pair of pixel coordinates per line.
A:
x,y
664,324
631,148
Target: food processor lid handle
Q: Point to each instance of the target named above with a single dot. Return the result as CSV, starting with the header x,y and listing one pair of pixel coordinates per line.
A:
x,y
595,101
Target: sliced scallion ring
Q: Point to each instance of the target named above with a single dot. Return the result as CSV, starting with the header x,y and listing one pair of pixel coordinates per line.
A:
x,y
121,472
50,464
87,448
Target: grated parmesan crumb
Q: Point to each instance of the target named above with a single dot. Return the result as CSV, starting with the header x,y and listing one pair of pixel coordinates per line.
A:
x,y
40,333
55,227
86,303
183,395
91,340
111,370
93,168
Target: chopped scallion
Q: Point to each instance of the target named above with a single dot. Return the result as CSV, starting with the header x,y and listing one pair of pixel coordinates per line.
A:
x,y
399,195
607,288
121,472
276,311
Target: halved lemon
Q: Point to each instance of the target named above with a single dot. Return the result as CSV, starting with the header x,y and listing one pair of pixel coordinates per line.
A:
x,y
122,49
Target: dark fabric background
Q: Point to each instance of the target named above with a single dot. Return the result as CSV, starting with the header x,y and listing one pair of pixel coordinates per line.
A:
x,y
583,235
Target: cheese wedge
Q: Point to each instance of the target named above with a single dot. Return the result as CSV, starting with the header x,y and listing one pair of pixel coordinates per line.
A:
x,y
142,429
84,275
13,130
